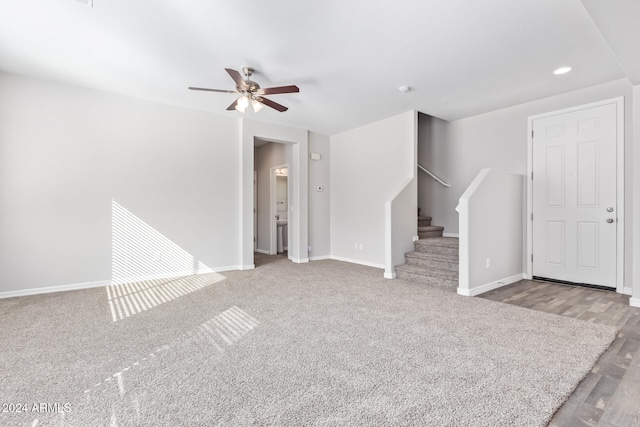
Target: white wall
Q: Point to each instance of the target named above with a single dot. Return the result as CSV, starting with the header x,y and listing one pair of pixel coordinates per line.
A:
x,y
368,166
67,152
491,222
457,150
319,170
267,156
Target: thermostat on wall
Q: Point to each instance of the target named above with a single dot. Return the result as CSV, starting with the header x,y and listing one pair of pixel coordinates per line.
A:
x,y
315,156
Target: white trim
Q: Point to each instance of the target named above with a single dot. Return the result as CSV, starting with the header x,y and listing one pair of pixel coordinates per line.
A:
x,y
51,289
247,267
456,235
357,261
619,101
262,251
477,290
226,268
626,291
389,276
300,260
100,283
319,258
634,302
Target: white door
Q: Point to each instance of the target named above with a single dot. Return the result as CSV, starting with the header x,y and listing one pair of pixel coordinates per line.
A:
x,y
574,196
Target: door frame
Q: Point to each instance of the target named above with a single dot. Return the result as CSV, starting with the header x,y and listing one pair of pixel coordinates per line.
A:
x,y
619,102
273,208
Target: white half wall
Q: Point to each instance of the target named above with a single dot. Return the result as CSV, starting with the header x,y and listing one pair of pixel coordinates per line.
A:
x,y
490,232
368,166
66,153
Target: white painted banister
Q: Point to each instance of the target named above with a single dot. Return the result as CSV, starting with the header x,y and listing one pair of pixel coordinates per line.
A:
x,y
432,175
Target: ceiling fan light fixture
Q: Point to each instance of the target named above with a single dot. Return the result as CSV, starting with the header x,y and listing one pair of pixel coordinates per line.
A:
x,y
257,105
242,104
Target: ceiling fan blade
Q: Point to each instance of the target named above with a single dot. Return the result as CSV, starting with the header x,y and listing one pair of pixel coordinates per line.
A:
x,y
237,77
213,90
233,105
274,105
279,89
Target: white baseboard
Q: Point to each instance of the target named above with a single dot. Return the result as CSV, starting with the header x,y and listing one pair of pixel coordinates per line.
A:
x,y
626,291
51,289
357,261
247,267
451,235
319,258
389,275
300,260
490,286
262,251
634,302
101,283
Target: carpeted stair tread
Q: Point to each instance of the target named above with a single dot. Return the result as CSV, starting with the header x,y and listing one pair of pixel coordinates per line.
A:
x,y
424,218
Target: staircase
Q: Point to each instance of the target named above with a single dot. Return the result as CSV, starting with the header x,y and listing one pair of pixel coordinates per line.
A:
x,y
434,260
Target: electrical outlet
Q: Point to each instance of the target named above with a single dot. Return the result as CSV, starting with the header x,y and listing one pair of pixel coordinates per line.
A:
x,y
488,263
355,246
360,246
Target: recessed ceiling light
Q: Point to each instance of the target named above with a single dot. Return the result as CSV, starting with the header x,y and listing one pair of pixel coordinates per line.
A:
x,y
404,89
562,70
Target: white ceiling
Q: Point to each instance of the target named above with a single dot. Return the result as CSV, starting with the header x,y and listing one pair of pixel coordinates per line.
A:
x,y
460,57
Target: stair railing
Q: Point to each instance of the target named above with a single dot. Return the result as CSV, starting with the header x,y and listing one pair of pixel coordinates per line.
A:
x,y
432,175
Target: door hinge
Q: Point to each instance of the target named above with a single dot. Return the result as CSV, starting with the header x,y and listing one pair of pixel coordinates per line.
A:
x,y
531,175
532,133
531,257
531,216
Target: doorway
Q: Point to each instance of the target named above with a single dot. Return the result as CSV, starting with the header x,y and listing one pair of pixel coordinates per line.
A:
x,y
576,195
279,202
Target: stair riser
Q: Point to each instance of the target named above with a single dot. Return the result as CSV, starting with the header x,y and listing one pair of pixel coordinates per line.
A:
x,y
443,265
426,280
427,234
437,250
424,223
447,242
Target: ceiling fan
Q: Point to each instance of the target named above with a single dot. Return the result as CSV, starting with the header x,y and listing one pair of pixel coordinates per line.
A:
x,y
251,93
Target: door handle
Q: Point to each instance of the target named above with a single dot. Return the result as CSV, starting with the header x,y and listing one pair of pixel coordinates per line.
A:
x,y
609,220
609,209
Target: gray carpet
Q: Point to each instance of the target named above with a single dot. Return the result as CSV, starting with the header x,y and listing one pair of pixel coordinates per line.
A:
x,y
325,343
